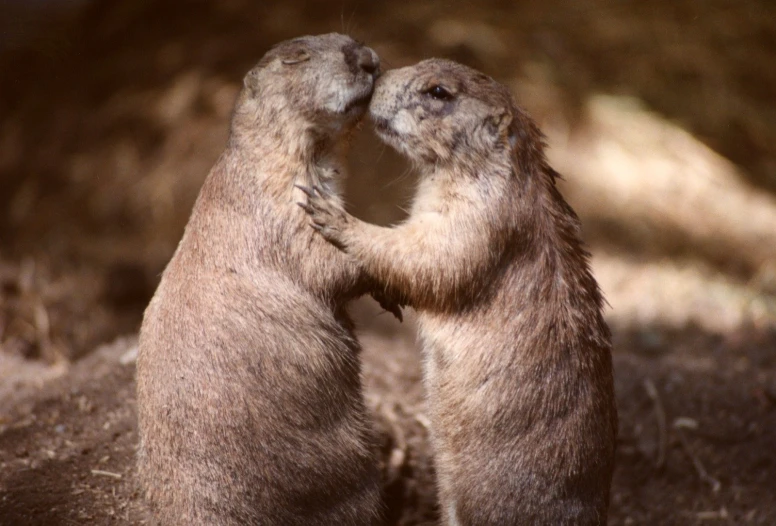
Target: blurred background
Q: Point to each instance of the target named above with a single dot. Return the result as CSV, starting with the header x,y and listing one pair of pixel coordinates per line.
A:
x,y
661,116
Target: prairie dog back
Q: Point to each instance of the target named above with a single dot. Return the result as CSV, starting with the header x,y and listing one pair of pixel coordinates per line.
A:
x,y
517,355
248,380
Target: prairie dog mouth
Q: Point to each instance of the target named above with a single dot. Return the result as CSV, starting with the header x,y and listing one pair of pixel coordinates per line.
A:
x,y
383,126
359,102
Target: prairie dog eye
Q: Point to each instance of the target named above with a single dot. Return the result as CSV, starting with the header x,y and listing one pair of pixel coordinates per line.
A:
x,y
438,92
296,58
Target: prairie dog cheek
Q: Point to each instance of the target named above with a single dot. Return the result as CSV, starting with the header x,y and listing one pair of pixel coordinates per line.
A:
x,y
335,102
404,123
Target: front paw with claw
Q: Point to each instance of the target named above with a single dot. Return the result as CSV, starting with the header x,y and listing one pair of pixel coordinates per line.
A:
x,y
326,215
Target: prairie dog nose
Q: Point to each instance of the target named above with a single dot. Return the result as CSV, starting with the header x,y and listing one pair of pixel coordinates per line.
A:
x,y
360,59
368,61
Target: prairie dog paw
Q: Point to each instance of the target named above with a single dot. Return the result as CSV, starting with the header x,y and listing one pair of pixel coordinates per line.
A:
x,y
327,216
389,304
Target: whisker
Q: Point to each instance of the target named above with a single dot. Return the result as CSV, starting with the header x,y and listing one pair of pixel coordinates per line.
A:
x,y
400,179
382,152
351,25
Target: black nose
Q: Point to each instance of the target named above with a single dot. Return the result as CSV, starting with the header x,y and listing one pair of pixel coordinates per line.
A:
x,y
360,58
368,61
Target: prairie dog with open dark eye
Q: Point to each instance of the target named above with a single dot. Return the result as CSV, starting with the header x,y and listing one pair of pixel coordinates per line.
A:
x,y
248,378
517,354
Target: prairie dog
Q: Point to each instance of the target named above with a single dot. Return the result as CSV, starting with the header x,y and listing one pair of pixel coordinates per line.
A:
x,y
517,355
248,378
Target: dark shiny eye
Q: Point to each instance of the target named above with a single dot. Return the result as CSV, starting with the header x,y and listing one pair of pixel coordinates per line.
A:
x,y
439,93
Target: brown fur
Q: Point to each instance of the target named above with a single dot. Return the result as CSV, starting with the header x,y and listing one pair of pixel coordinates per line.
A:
x,y
517,354
248,388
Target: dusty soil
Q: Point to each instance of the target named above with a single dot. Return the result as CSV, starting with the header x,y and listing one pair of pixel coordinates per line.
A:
x,y
661,116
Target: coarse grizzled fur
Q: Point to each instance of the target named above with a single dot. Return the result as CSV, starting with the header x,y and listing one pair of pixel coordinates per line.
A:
x,y
518,362
248,379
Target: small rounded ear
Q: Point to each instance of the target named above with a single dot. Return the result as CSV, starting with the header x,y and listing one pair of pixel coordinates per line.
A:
x,y
251,81
500,125
512,137
295,56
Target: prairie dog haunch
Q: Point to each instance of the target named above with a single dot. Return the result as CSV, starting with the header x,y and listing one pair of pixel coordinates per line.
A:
x,y
517,355
248,378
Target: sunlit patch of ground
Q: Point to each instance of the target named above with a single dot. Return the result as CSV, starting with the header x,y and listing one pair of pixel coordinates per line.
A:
x,y
661,189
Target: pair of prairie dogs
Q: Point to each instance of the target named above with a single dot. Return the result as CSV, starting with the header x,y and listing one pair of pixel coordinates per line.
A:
x,y
248,379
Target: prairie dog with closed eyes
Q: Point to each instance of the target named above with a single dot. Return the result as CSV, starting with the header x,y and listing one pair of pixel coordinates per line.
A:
x,y
248,377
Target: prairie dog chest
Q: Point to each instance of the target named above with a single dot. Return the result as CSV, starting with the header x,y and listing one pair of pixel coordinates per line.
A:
x,y
447,341
439,193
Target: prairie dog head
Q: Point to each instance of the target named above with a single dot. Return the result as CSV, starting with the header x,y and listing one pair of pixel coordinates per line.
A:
x,y
311,82
439,112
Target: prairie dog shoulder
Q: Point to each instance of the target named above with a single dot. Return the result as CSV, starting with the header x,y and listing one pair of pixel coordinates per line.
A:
x,y
249,397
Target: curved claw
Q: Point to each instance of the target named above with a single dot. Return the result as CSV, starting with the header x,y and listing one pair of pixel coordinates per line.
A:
x,y
396,311
310,192
389,305
307,208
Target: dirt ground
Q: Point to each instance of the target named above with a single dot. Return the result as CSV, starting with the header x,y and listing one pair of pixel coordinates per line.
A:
x,y
660,115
